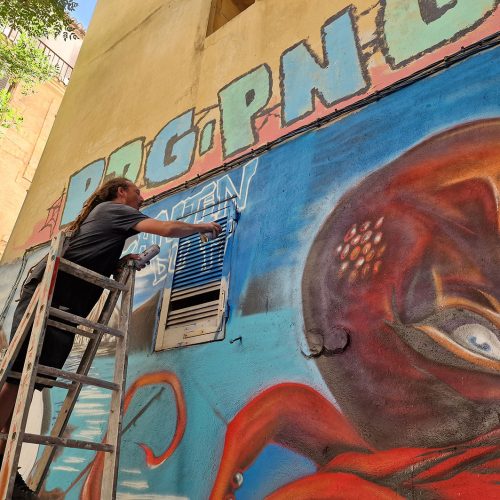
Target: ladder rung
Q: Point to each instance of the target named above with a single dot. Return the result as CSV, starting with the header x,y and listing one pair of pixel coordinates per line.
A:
x,y
85,322
65,442
42,380
91,276
72,329
83,379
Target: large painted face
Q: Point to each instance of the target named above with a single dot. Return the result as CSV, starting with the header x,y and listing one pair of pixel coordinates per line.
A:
x,y
408,265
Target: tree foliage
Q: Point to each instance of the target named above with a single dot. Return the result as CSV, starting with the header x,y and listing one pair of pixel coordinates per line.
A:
x,y
24,64
38,18
9,116
21,61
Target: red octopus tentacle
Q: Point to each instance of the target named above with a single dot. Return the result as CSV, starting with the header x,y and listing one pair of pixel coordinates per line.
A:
x,y
171,379
92,487
333,486
290,414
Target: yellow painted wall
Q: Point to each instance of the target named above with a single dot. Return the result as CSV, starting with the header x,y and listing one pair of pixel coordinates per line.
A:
x,y
144,63
135,69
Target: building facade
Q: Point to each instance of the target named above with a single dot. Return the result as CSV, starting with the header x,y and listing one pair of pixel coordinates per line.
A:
x,y
341,338
21,148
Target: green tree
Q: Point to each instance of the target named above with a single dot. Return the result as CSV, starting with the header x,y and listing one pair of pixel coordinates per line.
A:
x,y
25,65
37,18
22,62
9,116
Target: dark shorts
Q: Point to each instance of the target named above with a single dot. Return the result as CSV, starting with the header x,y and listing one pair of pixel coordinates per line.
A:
x,y
77,297
56,346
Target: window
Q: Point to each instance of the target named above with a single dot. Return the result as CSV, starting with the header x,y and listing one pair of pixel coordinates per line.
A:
x,y
194,306
223,11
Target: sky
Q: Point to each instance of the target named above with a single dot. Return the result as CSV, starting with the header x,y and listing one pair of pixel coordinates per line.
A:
x,y
83,13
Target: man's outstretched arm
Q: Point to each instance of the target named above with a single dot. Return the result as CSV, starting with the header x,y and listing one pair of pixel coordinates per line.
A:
x,y
176,229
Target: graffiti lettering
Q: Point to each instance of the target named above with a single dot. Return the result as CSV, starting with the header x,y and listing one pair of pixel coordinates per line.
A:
x,y
81,186
207,137
226,188
240,102
431,10
413,28
339,76
172,151
349,68
189,207
192,209
126,161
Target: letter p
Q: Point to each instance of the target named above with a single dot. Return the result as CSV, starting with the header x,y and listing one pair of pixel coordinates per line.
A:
x,y
240,101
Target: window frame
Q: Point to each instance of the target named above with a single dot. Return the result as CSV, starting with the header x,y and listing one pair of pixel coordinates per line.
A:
x,y
216,13
205,329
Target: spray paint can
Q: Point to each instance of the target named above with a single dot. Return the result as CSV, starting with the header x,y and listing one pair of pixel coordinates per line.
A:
x,y
146,256
206,237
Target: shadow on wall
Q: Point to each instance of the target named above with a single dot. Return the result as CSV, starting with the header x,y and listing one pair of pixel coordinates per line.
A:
x,y
143,325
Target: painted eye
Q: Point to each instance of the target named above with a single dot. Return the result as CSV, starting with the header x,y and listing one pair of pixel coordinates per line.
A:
x,y
237,480
479,339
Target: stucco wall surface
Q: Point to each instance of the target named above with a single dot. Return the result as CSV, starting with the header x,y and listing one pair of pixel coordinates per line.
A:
x,y
361,353
21,150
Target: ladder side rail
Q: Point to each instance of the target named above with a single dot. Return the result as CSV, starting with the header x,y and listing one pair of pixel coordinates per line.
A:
x,y
39,474
111,460
27,383
19,336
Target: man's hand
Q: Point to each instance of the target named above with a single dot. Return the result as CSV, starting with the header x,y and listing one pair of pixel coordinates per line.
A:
x,y
123,261
210,227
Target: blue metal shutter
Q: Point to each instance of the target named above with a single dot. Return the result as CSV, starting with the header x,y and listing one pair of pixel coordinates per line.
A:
x,y
199,263
196,282
194,304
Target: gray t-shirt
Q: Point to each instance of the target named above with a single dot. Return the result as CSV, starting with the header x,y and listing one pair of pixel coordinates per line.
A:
x,y
97,246
99,242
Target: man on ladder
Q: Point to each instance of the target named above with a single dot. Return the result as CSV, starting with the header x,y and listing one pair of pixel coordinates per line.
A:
x,y
108,218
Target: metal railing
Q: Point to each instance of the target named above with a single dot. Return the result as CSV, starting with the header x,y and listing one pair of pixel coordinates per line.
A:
x,y
64,69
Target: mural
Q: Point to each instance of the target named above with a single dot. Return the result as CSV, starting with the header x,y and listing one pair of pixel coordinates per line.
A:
x,y
361,354
362,350
364,51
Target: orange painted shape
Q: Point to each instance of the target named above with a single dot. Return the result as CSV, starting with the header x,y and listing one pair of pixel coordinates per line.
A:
x,y
92,487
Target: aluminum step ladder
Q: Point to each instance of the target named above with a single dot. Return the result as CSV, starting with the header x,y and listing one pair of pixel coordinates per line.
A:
x,y
39,314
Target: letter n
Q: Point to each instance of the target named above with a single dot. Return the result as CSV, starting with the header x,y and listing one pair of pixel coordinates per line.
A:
x,y
340,75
